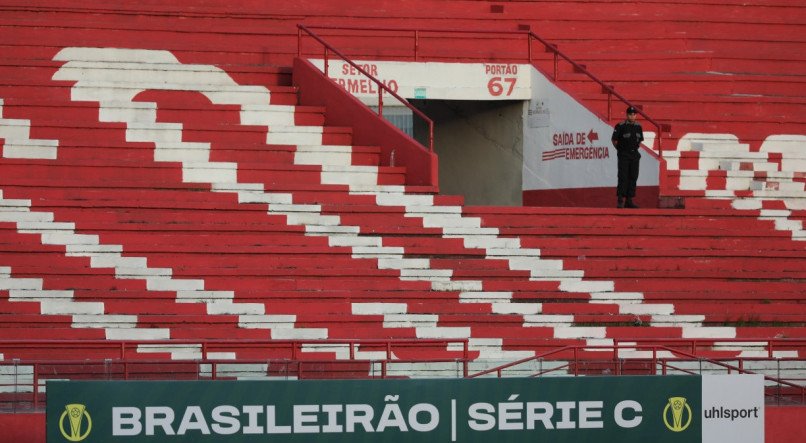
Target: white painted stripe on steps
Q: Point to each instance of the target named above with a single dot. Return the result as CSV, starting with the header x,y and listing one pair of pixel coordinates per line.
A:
x,y
61,302
547,320
723,151
485,297
784,223
617,297
677,320
631,354
342,351
654,309
177,352
438,332
17,142
225,180
708,332
160,279
268,115
292,138
379,308
579,332
223,176
316,223
517,308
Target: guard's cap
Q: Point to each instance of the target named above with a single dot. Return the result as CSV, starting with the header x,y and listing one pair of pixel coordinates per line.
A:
x,y
631,110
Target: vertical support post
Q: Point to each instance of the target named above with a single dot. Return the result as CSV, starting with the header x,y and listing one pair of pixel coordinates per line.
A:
x,y
609,104
431,136
556,64
36,385
326,63
654,361
380,101
416,44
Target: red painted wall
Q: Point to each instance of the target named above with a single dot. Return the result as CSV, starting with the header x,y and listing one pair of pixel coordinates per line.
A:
x,y
368,129
784,424
22,428
645,197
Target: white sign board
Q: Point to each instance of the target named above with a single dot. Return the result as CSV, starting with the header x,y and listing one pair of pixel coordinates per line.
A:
x,y
433,80
568,146
733,408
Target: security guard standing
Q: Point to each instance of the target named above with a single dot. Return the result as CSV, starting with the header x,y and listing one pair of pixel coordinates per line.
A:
x,y
627,138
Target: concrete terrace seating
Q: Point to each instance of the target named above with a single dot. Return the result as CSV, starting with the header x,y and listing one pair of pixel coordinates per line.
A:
x,y
362,236
147,194
717,171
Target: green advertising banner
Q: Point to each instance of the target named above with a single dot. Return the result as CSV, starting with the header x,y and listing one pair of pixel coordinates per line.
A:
x,y
563,409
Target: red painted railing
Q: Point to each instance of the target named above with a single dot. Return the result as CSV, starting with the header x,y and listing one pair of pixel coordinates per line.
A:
x,y
576,357
121,348
22,377
328,48
528,36
20,384
694,345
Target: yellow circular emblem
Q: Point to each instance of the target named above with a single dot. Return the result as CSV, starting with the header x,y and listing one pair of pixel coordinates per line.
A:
x,y
75,414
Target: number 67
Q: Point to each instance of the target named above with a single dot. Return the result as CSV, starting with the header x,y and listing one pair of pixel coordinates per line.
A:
x,y
496,88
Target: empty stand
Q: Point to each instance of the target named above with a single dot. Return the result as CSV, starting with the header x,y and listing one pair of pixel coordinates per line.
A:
x,y
175,189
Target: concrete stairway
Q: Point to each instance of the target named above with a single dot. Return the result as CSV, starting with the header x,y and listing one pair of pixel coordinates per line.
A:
x,y
276,229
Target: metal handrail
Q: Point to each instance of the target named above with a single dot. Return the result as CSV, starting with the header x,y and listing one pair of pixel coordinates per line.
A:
x,y
768,344
381,86
655,359
608,89
294,346
126,368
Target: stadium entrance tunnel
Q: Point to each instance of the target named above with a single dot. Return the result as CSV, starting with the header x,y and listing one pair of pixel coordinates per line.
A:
x,y
480,148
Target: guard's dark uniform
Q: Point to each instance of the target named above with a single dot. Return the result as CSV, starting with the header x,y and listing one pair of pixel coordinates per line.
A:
x,y
627,138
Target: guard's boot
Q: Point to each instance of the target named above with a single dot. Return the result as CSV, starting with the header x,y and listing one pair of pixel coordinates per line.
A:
x,y
620,203
630,203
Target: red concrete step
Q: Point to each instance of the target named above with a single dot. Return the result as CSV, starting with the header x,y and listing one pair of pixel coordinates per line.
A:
x,y
51,333
45,110
764,332
32,321
19,68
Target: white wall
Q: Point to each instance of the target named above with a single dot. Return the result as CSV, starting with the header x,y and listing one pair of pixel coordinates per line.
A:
x,y
558,150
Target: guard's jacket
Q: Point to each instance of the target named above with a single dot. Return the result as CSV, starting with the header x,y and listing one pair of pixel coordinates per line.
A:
x,y
627,136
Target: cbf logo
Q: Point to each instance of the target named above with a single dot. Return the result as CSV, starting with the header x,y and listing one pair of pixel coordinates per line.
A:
x,y
676,409
72,423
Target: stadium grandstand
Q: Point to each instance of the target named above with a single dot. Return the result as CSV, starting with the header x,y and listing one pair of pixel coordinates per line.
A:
x,y
400,190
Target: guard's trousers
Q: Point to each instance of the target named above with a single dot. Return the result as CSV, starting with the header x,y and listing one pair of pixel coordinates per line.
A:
x,y
628,163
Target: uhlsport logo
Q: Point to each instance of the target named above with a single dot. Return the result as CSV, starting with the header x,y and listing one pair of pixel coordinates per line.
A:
x,y
676,408
76,429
